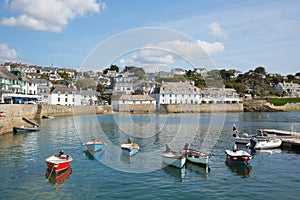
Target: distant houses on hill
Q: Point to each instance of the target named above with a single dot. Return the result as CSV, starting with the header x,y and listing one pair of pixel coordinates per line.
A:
x,y
20,83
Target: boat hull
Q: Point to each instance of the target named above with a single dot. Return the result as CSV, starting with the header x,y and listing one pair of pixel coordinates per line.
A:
x,y
238,156
176,162
129,151
202,160
57,164
268,144
24,129
130,148
195,156
94,147
173,158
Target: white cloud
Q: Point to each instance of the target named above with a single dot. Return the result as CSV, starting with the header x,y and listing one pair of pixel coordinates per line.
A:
x,y
7,53
211,48
162,55
50,15
216,30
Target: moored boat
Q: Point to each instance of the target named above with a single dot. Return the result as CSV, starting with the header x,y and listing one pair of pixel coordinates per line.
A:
x,y
47,117
245,138
57,163
271,143
130,148
173,158
94,145
24,129
237,156
195,156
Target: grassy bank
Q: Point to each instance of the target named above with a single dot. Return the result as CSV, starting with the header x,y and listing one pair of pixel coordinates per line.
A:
x,y
283,101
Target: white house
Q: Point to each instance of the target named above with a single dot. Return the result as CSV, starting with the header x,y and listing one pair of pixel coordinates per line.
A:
x,y
63,95
292,89
185,93
200,70
124,85
177,71
89,97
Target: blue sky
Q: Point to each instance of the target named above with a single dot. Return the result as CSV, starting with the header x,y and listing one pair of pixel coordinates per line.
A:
x,y
235,34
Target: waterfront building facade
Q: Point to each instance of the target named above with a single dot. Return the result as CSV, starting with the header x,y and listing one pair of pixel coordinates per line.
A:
x,y
14,89
133,103
186,93
66,96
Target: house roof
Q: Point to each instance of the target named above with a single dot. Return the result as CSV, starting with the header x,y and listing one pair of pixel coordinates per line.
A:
x,y
63,89
90,93
178,88
4,73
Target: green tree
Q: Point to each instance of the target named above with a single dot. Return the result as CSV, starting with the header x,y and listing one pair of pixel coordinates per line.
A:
x,y
256,82
111,68
86,83
260,70
197,78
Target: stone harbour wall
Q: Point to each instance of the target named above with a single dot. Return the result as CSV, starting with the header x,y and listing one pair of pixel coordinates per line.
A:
x,y
15,112
137,108
201,108
286,107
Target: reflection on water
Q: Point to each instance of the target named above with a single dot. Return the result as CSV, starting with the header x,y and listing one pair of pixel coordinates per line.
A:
x,y
58,178
94,155
177,173
22,163
241,169
201,170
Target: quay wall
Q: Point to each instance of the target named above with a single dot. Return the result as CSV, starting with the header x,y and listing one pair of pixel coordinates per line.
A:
x,y
201,108
15,112
286,107
137,108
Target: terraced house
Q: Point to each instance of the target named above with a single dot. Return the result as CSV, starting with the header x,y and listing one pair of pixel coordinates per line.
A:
x,y
14,89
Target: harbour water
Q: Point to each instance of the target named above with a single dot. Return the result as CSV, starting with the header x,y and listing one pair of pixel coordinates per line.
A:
x,y
111,175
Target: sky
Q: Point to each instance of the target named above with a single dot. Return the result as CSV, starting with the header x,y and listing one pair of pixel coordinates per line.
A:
x,y
158,35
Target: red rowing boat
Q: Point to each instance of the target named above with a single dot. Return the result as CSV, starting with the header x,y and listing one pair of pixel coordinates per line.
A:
x,y
57,163
240,156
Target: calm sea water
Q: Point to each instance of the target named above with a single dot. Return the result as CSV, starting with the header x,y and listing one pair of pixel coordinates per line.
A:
x,y
270,175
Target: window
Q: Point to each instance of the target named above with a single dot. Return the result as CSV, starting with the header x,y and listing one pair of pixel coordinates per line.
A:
x,y
73,100
66,99
58,99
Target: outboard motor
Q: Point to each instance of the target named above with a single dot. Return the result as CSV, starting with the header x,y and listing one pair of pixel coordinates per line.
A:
x,y
129,140
253,142
234,148
167,148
